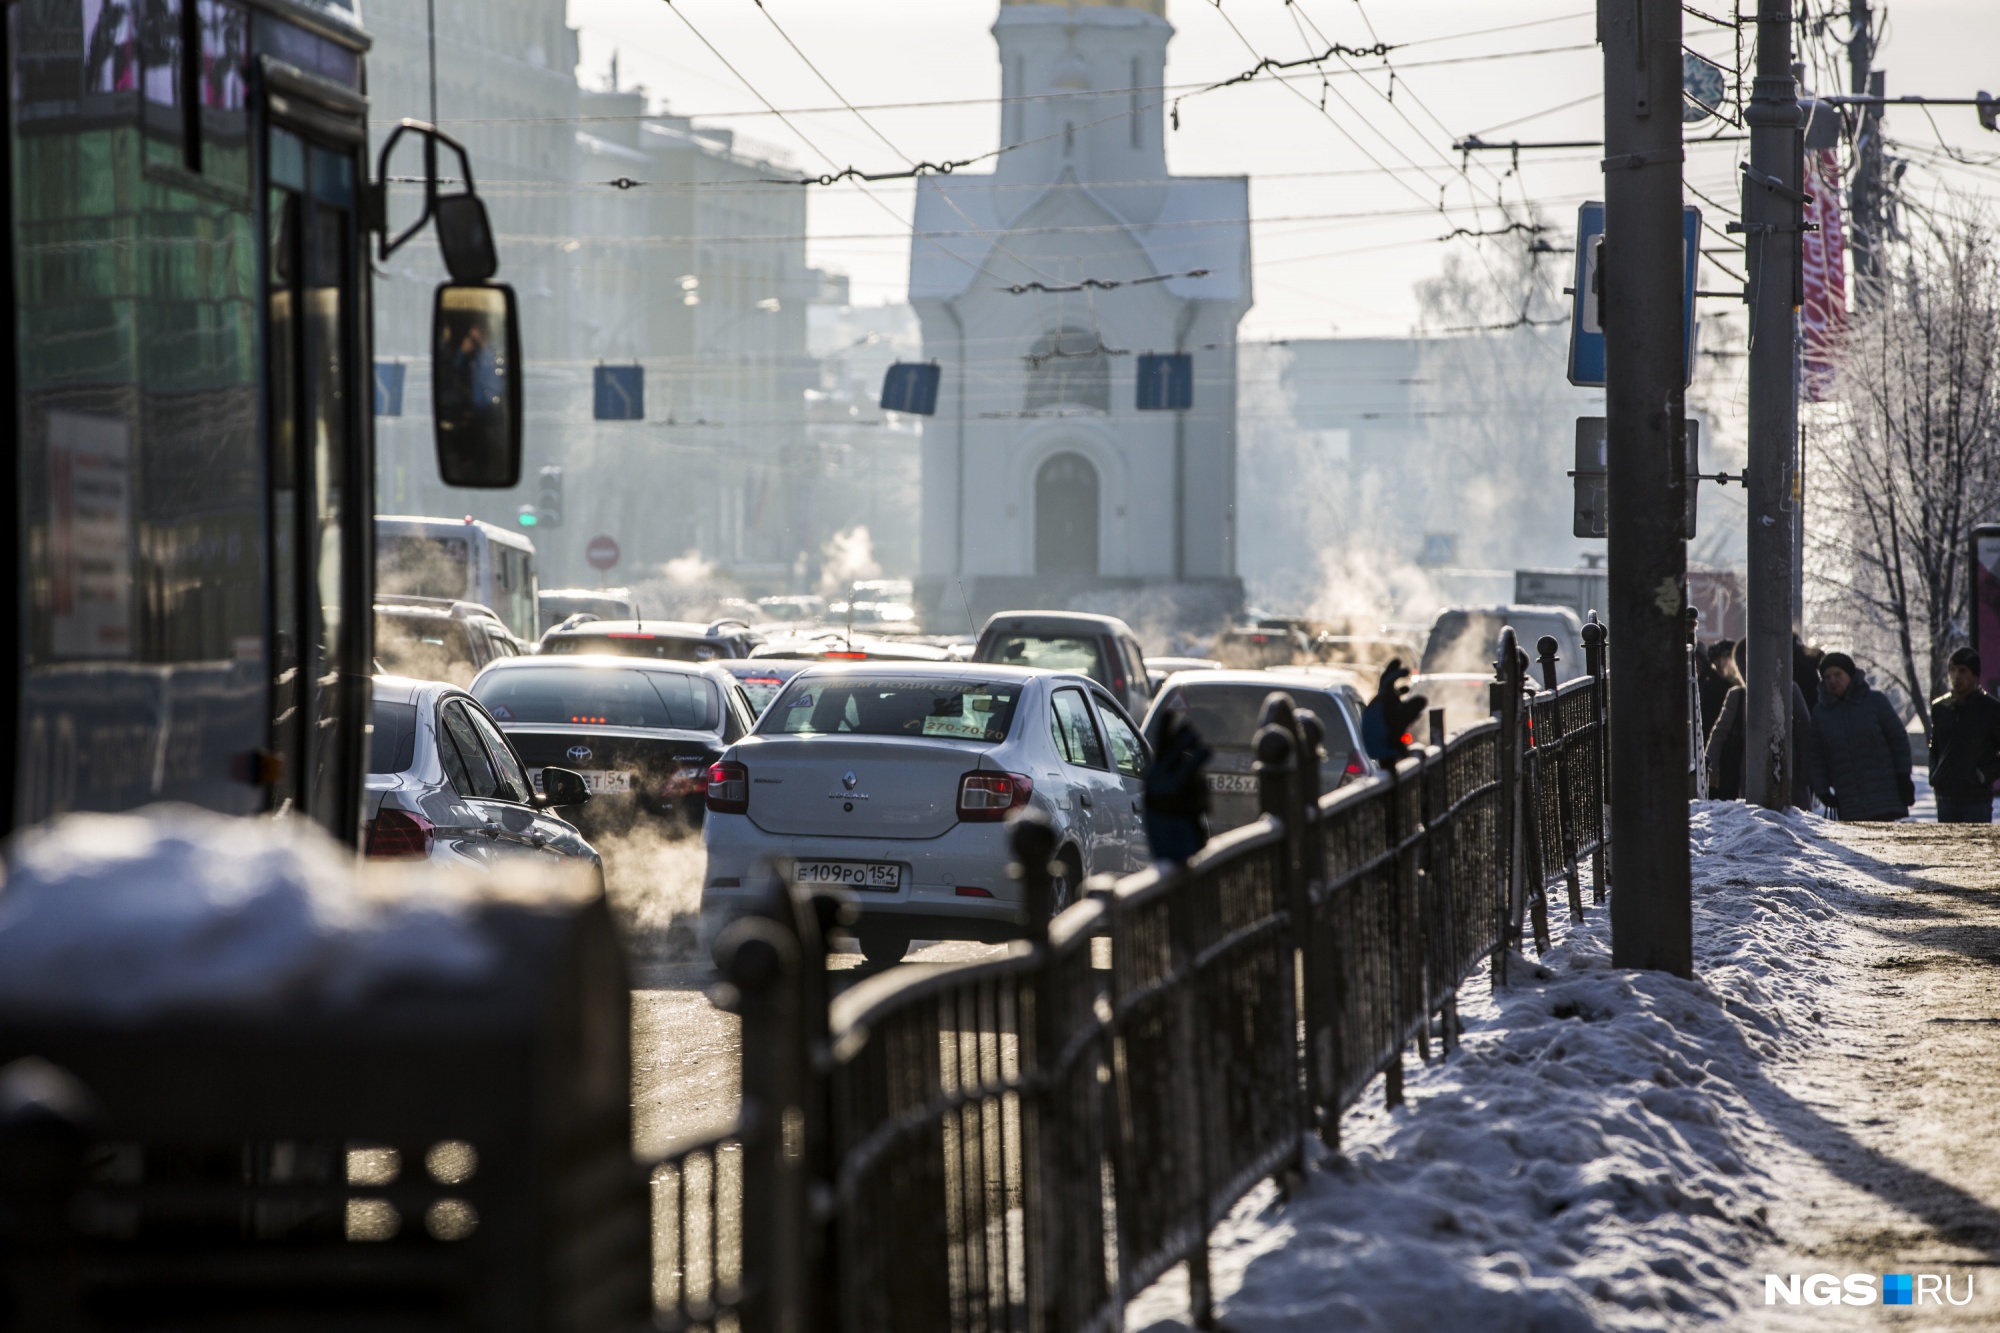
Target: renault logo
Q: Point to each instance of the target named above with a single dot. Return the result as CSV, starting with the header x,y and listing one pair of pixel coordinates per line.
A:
x,y
848,780
579,752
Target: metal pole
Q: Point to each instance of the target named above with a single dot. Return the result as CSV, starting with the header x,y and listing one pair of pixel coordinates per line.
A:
x,y
1646,464
1864,195
1771,219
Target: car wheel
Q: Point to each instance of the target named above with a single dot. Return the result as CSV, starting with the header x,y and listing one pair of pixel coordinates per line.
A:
x,y
1063,884
882,948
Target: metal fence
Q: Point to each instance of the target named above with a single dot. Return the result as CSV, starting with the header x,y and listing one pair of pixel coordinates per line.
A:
x,y
1027,1142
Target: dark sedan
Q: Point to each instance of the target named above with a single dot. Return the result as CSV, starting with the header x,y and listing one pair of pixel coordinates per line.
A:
x,y
642,733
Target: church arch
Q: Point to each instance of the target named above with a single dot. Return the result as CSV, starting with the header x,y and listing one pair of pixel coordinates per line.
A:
x,y
1066,516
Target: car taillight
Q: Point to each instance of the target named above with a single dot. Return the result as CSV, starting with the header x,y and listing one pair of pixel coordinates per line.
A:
x,y
728,788
1355,767
1117,676
985,798
399,835
688,779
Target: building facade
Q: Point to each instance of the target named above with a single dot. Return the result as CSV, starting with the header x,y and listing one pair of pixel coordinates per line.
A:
x,y
1039,288
694,270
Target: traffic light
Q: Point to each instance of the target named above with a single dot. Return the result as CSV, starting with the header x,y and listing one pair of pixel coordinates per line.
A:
x,y
527,516
549,497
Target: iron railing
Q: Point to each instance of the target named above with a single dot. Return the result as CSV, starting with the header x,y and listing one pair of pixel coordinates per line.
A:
x,y
1027,1142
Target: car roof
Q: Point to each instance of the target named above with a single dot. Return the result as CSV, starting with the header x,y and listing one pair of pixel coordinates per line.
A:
x,y
1277,680
965,671
1021,622
659,629
764,666
600,661
408,689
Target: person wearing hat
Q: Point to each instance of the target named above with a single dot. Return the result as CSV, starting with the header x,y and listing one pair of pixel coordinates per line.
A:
x,y
1860,754
1965,744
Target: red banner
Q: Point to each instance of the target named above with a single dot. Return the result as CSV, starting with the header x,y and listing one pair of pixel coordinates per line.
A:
x,y
1823,317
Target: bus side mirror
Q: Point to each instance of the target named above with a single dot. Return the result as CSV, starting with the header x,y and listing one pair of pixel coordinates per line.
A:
x,y
476,385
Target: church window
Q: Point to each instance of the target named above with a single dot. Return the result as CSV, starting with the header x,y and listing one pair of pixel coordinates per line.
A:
x,y
1068,368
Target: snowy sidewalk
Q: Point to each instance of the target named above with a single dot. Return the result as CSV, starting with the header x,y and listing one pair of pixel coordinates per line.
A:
x,y
1615,1149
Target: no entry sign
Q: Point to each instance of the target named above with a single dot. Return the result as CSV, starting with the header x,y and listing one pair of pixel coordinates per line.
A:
x,y
602,553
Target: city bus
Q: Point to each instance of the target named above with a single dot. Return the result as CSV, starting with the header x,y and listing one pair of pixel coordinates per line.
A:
x,y
190,211
463,559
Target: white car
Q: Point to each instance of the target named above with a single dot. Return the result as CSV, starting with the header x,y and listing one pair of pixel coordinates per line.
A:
x,y
895,780
445,784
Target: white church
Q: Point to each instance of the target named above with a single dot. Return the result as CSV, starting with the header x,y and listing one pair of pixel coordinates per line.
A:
x,y
1040,287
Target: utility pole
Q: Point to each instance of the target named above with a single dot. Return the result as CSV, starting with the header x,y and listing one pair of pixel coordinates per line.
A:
x,y
1866,215
1772,215
1646,465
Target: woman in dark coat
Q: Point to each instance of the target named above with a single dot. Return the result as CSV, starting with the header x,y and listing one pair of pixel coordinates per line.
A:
x,y
1860,751
1726,779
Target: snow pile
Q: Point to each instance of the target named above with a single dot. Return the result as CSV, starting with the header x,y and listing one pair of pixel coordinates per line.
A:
x,y
175,909
1594,1156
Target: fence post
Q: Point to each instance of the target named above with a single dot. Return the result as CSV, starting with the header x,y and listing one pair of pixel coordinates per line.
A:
x,y
1600,752
1278,767
1697,747
761,956
1034,842
1440,837
1507,686
1558,746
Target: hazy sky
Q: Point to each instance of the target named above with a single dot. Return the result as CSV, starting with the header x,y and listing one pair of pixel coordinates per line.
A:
x,y
1344,201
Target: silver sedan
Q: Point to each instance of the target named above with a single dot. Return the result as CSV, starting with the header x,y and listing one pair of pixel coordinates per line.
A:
x,y
895,780
444,784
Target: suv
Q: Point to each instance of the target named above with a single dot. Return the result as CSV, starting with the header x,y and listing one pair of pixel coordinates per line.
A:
x,y
559,604
1466,639
674,640
1101,647
436,638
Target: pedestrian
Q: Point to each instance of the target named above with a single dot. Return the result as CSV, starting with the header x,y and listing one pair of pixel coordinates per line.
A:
x,y
1726,775
1805,670
1860,752
1177,791
1386,721
1712,681
1965,744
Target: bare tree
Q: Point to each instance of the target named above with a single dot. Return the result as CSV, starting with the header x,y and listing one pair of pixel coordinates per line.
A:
x,y
1907,456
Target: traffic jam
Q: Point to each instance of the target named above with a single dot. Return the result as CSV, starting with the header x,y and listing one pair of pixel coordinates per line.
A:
x,y
885,763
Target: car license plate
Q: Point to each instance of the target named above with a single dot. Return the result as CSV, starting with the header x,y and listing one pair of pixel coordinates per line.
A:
x,y
881,876
597,781
1234,784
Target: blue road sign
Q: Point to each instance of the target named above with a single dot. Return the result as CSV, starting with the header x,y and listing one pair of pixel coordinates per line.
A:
x,y
912,387
389,388
1586,334
620,393
1166,381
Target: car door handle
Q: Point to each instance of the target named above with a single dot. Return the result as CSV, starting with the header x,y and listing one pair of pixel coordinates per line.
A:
x,y
1084,797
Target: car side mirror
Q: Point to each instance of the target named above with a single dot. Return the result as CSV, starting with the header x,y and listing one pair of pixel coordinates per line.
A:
x,y
562,786
476,385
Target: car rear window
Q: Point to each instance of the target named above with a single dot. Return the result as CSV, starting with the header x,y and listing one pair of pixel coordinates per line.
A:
x,y
761,690
669,647
949,709
392,737
1080,653
601,697
1226,716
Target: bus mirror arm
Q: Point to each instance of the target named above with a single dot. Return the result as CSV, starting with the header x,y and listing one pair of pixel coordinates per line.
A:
x,y
464,235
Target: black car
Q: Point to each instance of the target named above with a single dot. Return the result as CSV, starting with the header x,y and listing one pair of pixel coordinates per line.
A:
x,y
662,640
642,733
